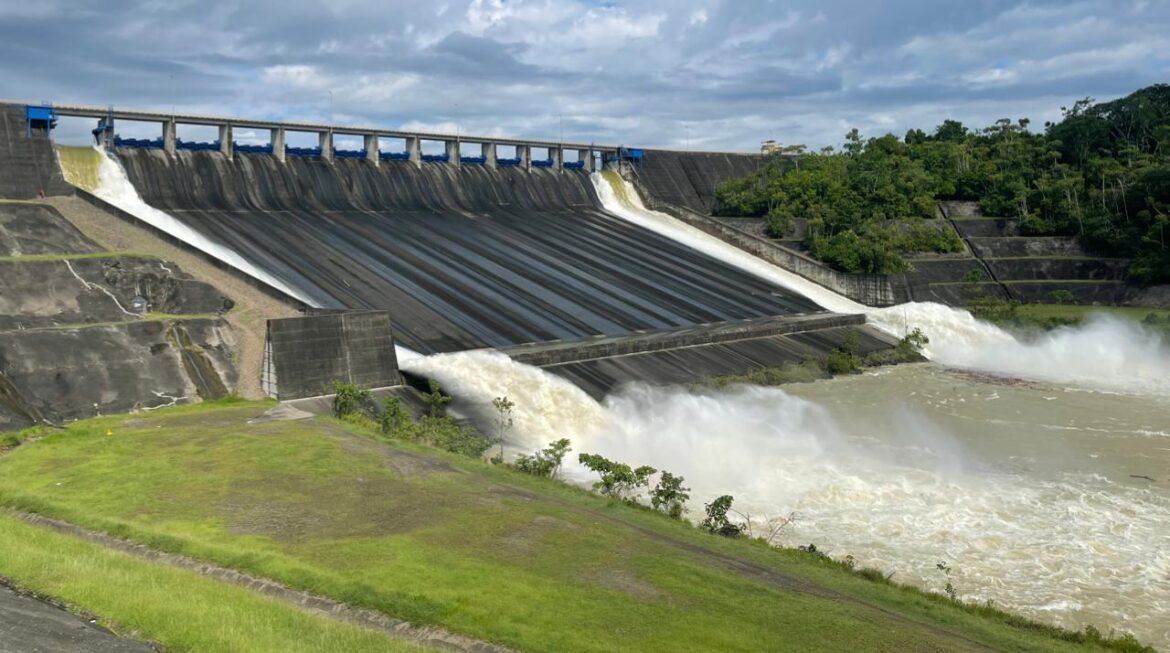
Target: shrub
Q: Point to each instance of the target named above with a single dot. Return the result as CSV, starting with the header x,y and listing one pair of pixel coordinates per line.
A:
x,y
349,399
1061,297
842,361
445,433
669,496
910,346
436,400
545,462
394,417
716,521
618,480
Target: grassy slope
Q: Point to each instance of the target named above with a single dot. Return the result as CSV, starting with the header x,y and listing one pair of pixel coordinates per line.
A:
x,y
1041,311
480,550
177,609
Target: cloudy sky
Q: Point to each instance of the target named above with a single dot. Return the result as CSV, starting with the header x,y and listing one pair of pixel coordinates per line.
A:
x,y
711,74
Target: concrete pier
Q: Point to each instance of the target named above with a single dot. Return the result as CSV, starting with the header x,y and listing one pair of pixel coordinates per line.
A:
x,y
414,150
325,142
225,139
586,159
169,123
170,136
371,141
276,137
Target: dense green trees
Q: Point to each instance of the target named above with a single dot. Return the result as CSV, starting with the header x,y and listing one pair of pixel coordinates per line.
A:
x,y
1101,174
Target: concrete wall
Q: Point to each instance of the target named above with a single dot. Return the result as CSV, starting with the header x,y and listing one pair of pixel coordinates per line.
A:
x,y
306,355
868,289
688,179
544,354
686,365
29,164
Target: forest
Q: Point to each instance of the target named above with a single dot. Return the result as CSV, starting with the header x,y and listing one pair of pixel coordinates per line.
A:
x,y
1100,174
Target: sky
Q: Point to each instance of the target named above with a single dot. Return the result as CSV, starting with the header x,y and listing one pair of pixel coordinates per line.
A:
x,y
709,75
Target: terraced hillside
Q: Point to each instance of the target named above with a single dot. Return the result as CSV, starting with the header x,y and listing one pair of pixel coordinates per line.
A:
x,y
998,261
72,342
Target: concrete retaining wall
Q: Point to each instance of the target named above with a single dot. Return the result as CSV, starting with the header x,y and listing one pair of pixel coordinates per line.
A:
x,y
688,179
304,356
543,354
687,365
868,289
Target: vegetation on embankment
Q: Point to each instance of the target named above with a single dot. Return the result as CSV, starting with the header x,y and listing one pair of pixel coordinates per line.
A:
x,y
841,360
174,608
1015,316
447,539
1102,174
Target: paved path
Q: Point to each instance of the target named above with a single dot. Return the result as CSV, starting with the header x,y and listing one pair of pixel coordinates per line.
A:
x,y
28,625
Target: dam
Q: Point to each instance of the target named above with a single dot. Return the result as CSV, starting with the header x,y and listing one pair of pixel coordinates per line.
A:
x,y
523,279
471,252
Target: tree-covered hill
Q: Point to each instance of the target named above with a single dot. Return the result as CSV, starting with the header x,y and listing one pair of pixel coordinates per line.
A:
x,y
1101,174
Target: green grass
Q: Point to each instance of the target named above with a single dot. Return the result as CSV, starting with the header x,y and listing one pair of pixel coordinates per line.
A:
x,y
481,550
178,609
1044,311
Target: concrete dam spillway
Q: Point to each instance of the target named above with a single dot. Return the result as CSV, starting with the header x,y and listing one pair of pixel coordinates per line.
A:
x,y
464,257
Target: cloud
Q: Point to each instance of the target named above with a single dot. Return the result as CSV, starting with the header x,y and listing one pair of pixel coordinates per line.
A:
x,y
712,73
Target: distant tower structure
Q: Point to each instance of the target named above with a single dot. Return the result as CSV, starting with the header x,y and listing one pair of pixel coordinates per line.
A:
x,y
103,134
770,148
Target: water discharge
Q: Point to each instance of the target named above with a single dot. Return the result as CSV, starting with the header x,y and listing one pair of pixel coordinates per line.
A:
x,y
115,188
1024,488
1106,353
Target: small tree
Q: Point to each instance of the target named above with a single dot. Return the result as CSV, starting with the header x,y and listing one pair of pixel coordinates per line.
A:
x,y
546,462
717,522
436,400
394,418
911,346
669,496
618,480
504,422
349,398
